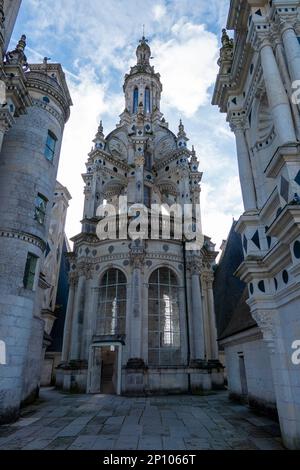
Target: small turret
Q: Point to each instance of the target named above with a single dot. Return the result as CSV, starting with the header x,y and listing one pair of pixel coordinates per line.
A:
x,y
182,138
18,57
99,139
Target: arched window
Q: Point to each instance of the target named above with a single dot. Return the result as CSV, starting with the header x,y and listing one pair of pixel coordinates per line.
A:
x,y
163,319
112,304
135,100
147,101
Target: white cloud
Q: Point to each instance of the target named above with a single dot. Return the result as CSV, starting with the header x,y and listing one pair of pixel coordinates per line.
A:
x,y
188,65
91,101
159,11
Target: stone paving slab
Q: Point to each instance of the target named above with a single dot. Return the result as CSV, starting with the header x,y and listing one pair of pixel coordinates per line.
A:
x,y
100,422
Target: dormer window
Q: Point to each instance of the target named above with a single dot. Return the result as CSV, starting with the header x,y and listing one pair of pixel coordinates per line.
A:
x,y
147,100
135,100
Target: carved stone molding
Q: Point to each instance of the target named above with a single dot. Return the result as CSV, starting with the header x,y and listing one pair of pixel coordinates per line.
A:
x,y
265,321
26,237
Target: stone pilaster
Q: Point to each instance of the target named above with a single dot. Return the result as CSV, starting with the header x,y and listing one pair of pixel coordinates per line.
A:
x,y
198,351
245,169
69,318
77,313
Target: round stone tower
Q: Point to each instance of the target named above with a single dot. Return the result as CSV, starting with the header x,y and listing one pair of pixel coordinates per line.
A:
x,y
28,167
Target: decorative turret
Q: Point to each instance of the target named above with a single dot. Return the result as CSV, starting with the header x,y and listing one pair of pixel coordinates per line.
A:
x,y
142,87
194,161
226,51
99,139
182,138
18,57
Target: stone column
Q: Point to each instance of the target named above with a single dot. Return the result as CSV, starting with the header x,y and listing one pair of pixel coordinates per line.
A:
x,y
69,319
206,321
292,49
212,318
75,341
277,96
287,82
198,323
137,259
245,169
90,287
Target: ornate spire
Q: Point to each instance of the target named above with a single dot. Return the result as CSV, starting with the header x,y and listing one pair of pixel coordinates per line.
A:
x,y
226,52
181,133
21,44
100,134
99,139
18,57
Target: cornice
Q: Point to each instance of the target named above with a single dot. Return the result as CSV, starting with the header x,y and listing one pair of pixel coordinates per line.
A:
x,y
23,236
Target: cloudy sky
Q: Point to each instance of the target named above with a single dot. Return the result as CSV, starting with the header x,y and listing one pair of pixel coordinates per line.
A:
x,y
95,40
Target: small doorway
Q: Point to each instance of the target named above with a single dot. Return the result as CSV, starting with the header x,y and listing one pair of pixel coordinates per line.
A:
x,y
109,370
104,373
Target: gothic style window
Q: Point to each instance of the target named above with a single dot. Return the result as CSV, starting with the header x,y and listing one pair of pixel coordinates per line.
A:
x,y
163,319
112,304
40,209
30,270
135,100
50,146
147,101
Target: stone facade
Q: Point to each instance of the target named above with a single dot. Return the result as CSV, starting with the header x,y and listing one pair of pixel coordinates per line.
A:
x,y
140,315
51,271
258,69
31,128
248,366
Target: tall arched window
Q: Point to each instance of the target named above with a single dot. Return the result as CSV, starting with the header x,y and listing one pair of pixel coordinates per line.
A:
x,y
135,100
147,100
112,304
163,319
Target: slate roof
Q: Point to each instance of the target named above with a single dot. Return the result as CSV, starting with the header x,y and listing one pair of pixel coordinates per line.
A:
x,y
230,294
57,333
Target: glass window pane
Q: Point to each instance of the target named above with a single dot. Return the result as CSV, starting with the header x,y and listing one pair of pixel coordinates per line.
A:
x,y
30,270
153,291
112,304
164,327
154,278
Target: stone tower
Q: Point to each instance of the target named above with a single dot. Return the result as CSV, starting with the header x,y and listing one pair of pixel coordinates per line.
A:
x,y
32,120
259,70
140,315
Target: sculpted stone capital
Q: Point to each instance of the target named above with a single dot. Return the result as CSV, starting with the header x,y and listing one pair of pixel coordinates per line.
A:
x,y
194,265
265,322
208,278
238,124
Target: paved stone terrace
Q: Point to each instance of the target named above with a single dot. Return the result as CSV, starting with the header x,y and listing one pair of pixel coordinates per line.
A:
x,y
98,422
